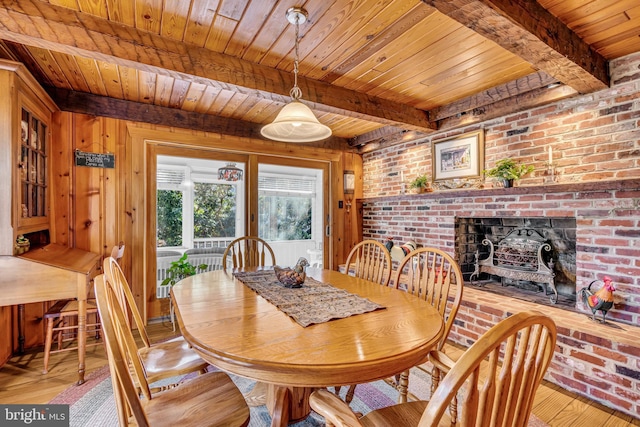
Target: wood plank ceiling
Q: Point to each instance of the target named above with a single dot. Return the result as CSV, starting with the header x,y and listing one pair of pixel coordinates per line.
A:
x,y
373,71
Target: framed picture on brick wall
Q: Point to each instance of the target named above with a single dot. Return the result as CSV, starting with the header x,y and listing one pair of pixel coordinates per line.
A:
x,y
457,157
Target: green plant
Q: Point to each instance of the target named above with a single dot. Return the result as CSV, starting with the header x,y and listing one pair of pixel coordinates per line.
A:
x,y
180,269
421,181
508,169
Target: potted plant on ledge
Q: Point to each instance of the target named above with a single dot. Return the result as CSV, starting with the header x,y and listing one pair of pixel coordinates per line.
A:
x,y
508,170
181,269
421,184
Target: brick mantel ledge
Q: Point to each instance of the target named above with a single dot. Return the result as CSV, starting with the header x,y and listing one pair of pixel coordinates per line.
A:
x,y
573,324
573,187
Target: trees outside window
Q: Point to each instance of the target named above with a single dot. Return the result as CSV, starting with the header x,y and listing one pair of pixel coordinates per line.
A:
x,y
214,213
285,217
169,209
195,208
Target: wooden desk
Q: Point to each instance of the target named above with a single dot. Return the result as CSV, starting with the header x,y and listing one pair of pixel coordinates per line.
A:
x,y
238,331
50,273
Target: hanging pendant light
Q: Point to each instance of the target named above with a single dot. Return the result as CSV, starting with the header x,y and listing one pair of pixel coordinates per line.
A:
x,y
296,122
230,173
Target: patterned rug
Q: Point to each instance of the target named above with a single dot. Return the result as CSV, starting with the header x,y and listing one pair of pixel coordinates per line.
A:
x,y
92,403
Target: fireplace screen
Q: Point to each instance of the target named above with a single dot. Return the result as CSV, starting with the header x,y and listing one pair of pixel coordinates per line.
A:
x,y
519,256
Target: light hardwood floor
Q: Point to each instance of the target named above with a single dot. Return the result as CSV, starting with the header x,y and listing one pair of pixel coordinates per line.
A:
x,y
22,381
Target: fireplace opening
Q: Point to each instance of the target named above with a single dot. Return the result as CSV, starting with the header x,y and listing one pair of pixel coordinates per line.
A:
x,y
526,258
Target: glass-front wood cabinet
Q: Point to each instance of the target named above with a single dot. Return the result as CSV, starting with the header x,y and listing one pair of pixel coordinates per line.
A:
x,y
26,117
33,169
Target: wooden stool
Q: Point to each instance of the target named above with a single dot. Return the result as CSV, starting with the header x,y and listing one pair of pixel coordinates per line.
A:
x,y
59,327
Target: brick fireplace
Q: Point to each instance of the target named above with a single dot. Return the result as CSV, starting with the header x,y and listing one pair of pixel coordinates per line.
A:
x,y
599,361
520,271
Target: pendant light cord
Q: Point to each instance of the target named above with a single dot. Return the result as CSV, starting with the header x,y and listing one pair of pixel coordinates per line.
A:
x,y
295,91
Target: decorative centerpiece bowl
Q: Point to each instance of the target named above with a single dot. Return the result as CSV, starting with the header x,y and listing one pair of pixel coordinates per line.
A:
x,y
289,277
292,277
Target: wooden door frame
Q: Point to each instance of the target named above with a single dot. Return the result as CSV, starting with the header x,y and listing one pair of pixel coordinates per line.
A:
x,y
147,143
325,166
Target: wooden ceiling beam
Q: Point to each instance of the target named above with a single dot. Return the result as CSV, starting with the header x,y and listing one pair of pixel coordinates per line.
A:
x,y
96,105
490,96
374,135
388,136
383,138
525,101
526,29
63,30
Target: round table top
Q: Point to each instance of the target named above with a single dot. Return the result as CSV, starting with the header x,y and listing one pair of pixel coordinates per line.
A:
x,y
235,329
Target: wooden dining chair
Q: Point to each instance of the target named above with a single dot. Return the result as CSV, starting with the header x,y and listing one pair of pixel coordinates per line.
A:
x,y
369,260
62,321
160,360
496,379
248,251
434,276
211,399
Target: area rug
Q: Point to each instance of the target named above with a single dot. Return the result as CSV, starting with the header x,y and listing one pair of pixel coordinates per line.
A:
x,y
92,403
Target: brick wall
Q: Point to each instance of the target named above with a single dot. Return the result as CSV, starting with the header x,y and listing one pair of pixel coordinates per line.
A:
x,y
593,137
596,147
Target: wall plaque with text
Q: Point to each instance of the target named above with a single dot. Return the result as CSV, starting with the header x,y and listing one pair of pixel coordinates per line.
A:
x,y
95,160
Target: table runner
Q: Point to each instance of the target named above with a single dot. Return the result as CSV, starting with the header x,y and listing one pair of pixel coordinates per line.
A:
x,y
315,302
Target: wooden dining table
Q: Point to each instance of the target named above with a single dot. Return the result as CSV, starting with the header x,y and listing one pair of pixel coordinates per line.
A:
x,y
240,332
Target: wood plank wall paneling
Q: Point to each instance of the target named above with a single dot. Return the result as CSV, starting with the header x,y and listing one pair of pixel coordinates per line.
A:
x,y
110,188
61,177
86,186
97,208
351,162
136,197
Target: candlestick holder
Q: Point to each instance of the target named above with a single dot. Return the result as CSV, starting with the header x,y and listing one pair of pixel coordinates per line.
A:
x,y
551,173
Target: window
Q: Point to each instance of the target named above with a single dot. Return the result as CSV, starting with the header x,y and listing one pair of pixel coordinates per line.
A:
x,y
169,218
285,207
194,208
214,210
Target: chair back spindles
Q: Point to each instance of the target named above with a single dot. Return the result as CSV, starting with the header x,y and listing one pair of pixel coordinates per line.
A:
x,y
497,377
434,276
208,399
62,321
248,251
122,350
116,278
370,260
